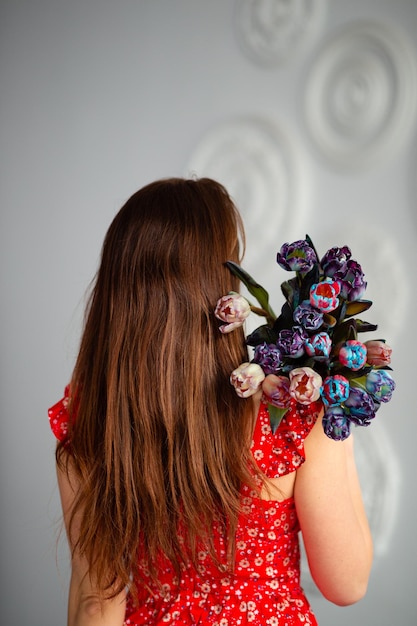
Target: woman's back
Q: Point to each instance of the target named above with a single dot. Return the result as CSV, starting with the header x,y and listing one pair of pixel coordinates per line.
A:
x,y
153,441
179,502
263,586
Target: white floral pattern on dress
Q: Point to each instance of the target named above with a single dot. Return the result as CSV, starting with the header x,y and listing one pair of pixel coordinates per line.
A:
x,y
264,588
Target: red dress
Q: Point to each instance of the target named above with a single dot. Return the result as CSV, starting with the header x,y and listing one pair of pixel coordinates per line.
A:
x,y
264,589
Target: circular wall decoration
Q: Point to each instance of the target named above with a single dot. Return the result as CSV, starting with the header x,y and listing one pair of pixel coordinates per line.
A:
x,y
361,94
253,160
270,31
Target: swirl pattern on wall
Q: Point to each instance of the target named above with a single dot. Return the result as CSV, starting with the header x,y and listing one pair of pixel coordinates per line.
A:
x,y
272,30
361,95
255,163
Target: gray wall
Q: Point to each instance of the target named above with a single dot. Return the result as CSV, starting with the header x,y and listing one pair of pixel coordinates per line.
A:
x,y
312,128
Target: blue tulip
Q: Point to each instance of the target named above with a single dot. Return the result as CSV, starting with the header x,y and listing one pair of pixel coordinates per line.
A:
x,y
380,385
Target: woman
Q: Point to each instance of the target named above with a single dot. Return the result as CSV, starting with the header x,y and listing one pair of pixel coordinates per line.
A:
x,y
169,516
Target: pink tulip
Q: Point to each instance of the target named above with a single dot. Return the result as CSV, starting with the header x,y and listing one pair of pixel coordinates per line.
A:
x,y
232,309
378,353
247,379
305,385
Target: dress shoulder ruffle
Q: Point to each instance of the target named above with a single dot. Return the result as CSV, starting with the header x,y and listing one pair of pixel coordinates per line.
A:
x,y
59,416
282,452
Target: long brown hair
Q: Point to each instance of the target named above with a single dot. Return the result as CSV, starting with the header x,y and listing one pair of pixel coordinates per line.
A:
x,y
159,440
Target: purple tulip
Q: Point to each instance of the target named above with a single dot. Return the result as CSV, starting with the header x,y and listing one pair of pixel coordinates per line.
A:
x,y
336,424
291,342
335,260
352,282
308,316
318,345
361,406
268,356
380,385
276,391
297,257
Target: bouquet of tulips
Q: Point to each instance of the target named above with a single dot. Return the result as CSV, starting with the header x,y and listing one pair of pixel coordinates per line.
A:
x,y
311,351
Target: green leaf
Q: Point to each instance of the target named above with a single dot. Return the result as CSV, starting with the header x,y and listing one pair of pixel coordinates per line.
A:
x,y
290,290
352,332
357,306
262,334
329,320
285,319
254,288
340,312
308,280
359,381
275,416
344,331
365,327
